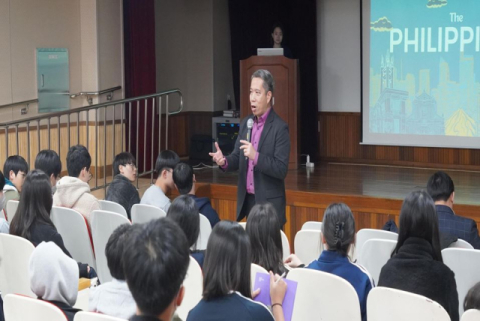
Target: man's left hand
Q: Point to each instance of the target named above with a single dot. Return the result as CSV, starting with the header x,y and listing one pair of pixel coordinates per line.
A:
x,y
248,149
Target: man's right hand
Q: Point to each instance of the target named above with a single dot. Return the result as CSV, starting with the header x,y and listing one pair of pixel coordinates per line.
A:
x,y
218,156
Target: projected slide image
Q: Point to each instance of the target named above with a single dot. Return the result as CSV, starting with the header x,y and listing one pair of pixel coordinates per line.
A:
x,y
424,76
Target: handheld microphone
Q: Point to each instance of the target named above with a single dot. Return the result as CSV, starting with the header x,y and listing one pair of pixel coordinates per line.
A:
x,y
249,132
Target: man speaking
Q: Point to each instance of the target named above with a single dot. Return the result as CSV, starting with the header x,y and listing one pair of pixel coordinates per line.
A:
x,y
261,152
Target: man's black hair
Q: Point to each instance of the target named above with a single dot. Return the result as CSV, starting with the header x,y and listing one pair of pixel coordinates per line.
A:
x,y
78,158
167,159
183,178
440,186
115,248
49,162
15,163
122,159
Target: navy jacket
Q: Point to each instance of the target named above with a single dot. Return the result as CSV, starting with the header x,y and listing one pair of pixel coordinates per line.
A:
x,y
205,208
462,227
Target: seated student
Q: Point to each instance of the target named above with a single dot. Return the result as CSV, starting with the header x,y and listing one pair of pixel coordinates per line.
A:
x,y
114,298
14,169
121,189
4,226
73,191
338,235
416,264
472,299
156,194
49,162
32,220
226,280
54,277
184,212
441,188
184,180
263,229
155,262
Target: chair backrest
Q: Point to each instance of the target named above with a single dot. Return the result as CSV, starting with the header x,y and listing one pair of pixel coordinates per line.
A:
x,y
253,273
374,255
285,245
471,315
21,308
243,224
308,245
367,233
205,231
112,207
143,213
461,244
465,264
92,316
103,223
193,284
12,206
312,225
396,305
74,230
15,254
82,299
323,295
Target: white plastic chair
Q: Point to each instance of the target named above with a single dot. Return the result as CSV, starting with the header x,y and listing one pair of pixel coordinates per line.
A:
x,y
285,245
312,225
471,315
465,264
92,316
461,244
15,254
374,255
323,296
12,206
21,308
396,305
193,284
367,233
205,231
103,223
82,299
112,207
143,213
255,268
243,224
73,228
308,245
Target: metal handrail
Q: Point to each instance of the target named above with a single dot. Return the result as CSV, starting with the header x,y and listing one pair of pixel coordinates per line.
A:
x,y
25,102
95,93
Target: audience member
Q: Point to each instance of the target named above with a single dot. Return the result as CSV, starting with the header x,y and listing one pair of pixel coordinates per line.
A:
x,y
114,298
184,180
472,299
4,226
32,220
226,280
441,188
155,263
49,162
184,212
14,169
156,194
338,235
416,264
263,229
54,277
73,191
121,189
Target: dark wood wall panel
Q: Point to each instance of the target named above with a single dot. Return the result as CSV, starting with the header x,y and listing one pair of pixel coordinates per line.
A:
x,y
339,140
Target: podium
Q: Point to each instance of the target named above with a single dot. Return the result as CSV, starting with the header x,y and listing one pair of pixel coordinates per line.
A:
x,y
286,94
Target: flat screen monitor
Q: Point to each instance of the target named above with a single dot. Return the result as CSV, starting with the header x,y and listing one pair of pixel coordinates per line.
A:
x,y
270,51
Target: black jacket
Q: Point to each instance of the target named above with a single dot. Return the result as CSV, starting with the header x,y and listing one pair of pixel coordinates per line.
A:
x,y
205,207
123,192
413,269
462,227
67,310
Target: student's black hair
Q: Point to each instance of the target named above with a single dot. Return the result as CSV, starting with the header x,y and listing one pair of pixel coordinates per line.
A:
x,y
263,229
418,218
49,162
184,212
122,159
115,248
78,158
338,228
35,204
155,263
2,181
472,299
167,159
440,186
15,163
183,177
227,261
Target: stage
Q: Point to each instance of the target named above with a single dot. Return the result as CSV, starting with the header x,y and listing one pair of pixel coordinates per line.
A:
x,y
374,193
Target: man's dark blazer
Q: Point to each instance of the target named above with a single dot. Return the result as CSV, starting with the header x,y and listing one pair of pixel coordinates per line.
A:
x,y
271,170
462,227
